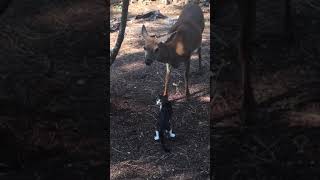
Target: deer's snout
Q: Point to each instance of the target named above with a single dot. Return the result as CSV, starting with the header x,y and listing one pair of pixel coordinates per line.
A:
x,y
148,62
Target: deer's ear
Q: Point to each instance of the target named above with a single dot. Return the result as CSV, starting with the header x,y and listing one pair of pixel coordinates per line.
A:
x,y
144,32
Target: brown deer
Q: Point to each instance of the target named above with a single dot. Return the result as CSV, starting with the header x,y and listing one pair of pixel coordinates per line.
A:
x,y
184,37
247,10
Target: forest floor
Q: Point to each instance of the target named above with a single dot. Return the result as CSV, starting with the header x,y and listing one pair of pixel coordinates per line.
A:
x,y
285,77
52,116
134,88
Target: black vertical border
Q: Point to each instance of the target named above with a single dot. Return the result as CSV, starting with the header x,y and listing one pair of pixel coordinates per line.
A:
x,y
107,88
212,19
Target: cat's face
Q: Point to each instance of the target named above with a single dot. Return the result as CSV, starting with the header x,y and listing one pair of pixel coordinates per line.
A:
x,y
161,99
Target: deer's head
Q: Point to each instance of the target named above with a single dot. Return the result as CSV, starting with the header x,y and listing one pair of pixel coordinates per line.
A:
x,y
155,48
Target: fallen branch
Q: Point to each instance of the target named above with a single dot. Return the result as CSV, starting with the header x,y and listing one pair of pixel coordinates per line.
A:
x,y
152,15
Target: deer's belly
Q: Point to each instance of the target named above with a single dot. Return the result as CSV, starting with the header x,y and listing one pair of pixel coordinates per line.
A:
x,y
176,63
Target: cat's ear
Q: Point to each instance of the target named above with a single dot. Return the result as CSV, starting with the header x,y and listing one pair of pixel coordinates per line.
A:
x,y
158,100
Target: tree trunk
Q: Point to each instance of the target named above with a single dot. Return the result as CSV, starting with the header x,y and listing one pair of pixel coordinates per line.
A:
x,y
124,14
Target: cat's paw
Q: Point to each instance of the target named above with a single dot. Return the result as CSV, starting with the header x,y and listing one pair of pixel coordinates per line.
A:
x,y
156,137
172,135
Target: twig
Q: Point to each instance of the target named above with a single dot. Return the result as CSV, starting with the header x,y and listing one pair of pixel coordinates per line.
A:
x,y
216,79
259,141
220,40
119,151
312,5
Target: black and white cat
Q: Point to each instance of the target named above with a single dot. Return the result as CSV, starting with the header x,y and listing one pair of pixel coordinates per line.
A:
x,y
163,124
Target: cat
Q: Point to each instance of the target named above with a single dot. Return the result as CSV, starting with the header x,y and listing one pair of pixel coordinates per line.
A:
x,y
163,124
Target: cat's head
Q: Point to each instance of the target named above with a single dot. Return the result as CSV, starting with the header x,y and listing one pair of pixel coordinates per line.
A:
x,y
161,99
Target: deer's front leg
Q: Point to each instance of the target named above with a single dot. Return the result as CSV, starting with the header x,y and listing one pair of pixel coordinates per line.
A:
x,y
186,77
168,71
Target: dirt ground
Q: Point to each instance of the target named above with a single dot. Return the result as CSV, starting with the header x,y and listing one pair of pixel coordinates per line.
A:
x,y
52,115
133,89
285,143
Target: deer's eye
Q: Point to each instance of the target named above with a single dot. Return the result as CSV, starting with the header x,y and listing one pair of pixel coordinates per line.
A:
x,y
156,49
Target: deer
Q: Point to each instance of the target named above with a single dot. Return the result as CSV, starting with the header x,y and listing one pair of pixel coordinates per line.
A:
x,y
247,18
177,46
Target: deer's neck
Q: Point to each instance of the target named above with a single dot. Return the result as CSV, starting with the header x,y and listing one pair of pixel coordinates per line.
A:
x,y
170,56
164,55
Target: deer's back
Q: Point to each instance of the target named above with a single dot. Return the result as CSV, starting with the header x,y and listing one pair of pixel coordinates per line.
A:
x,y
190,26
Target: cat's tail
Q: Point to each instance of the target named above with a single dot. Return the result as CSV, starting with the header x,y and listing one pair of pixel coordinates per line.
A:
x,y
162,141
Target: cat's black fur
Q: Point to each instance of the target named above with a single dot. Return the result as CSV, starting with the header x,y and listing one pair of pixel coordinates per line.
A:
x,y
164,119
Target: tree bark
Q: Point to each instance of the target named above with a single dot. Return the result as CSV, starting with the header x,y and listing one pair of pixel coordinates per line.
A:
x,y
124,15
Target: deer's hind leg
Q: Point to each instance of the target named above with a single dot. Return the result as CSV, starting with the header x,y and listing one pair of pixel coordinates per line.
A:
x,y
200,58
186,77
